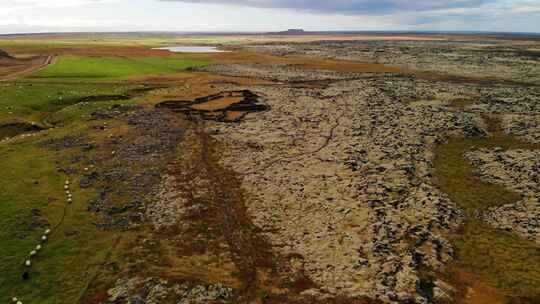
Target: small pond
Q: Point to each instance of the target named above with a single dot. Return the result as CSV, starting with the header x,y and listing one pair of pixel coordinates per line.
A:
x,y
191,49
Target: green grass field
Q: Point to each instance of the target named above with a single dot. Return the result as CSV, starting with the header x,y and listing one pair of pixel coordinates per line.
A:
x,y
31,183
115,67
31,101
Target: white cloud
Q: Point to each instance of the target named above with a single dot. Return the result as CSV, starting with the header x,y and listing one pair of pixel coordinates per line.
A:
x,y
175,15
361,7
11,6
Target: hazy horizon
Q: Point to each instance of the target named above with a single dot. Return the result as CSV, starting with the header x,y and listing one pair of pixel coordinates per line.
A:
x,y
277,32
45,16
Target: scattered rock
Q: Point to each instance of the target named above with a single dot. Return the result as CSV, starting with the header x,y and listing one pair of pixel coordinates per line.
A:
x,y
155,291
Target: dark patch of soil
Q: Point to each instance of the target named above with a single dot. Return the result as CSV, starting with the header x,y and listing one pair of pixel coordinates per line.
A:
x,y
126,96
112,112
132,93
96,98
4,54
17,128
233,111
65,142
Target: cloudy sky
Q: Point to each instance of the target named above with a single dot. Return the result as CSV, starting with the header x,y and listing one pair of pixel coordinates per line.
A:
x,y
18,16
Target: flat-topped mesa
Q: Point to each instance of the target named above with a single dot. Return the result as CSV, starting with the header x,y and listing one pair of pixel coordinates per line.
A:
x,y
295,31
290,32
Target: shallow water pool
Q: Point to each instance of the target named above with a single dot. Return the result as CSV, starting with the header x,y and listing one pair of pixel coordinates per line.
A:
x,y
192,49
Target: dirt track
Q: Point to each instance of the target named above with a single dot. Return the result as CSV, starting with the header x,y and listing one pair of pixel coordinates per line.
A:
x,y
33,65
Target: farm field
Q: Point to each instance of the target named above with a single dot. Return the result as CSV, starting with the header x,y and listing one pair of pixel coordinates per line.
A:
x,y
111,67
290,169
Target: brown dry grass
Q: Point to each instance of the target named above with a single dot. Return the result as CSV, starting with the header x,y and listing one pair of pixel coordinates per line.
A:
x,y
234,115
221,227
475,290
350,66
217,104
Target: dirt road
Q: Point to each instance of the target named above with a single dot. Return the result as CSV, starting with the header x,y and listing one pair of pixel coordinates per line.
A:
x,y
34,65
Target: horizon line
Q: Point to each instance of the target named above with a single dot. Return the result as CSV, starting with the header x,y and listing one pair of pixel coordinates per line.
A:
x,y
307,33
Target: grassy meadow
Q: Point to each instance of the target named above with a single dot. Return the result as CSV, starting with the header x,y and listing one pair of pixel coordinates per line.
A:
x,y
63,95
32,199
32,101
115,67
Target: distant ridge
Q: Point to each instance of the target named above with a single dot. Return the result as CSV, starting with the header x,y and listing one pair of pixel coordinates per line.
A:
x,y
290,32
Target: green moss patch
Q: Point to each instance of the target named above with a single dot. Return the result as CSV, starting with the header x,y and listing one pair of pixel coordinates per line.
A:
x,y
504,260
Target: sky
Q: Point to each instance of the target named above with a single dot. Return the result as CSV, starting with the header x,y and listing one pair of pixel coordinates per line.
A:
x,y
24,16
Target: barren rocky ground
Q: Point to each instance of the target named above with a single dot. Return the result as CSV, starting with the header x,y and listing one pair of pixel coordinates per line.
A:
x,y
510,60
339,172
347,165
278,183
